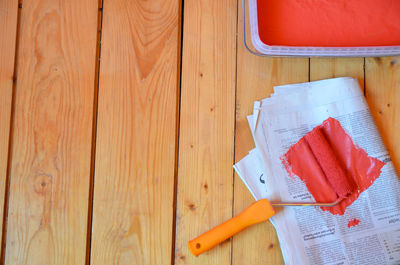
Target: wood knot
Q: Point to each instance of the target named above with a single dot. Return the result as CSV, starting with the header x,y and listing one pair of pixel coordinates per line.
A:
x,y
388,105
201,74
205,186
394,62
42,184
191,206
271,246
181,257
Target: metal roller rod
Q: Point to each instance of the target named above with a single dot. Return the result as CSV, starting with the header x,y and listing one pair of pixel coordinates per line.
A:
x,y
321,204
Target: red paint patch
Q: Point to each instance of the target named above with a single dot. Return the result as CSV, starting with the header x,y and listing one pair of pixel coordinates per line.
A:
x,y
353,222
332,168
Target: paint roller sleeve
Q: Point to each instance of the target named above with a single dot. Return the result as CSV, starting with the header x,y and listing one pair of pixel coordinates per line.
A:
x,y
330,165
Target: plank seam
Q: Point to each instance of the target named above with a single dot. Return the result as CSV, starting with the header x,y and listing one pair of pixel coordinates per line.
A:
x,y
10,138
234,121
94,133
178,123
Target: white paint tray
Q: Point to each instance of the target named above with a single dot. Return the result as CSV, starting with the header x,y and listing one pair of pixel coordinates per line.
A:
x,y
262,49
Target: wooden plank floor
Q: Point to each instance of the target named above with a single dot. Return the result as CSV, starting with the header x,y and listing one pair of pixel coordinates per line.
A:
x,y
120,121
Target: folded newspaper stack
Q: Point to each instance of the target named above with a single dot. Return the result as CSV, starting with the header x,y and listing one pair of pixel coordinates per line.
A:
x,y
308,235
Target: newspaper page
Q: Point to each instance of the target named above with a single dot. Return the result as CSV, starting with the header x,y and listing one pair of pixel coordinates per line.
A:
x,y
310,235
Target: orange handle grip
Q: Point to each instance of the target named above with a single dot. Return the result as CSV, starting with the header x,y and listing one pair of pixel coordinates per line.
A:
x,y
257,212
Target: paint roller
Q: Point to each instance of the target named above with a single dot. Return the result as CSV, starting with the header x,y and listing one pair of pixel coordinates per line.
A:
x,y
333,176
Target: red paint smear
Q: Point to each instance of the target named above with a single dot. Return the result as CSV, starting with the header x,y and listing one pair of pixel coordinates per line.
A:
x,y
329,23
348,170
353,222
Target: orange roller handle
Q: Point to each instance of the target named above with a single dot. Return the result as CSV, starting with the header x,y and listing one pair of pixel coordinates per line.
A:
x,y
257,212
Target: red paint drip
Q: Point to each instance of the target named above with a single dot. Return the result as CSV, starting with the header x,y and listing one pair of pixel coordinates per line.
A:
x,y
332,166
353,222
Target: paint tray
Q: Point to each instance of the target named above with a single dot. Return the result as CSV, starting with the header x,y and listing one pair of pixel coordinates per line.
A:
x,y
339,28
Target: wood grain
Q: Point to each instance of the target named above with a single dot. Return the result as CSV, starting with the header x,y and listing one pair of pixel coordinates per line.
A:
x,y
322,68
207,117
383,97
136,133
256,77
52,133
8,29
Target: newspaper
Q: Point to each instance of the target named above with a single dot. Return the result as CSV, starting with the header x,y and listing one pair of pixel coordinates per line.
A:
x,y
307,234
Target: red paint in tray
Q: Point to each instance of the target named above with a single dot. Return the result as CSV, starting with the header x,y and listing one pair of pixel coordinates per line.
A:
x,y
332,166
329,23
